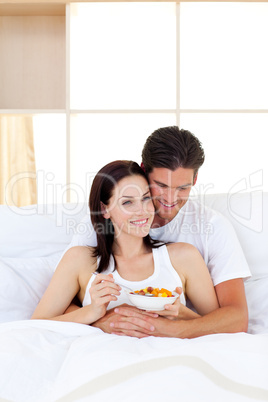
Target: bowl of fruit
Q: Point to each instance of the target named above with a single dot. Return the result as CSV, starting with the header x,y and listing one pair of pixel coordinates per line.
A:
x,y
153,299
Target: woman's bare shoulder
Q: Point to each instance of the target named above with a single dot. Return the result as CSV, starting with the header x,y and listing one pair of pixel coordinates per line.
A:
x,y
183,254
79,251
79,256
184,249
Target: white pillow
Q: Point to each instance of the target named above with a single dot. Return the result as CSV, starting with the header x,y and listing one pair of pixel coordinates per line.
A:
x,y
22,284
257,298
248,213
38,230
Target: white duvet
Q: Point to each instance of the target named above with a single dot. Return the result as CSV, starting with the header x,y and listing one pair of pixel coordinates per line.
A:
x,y
55,361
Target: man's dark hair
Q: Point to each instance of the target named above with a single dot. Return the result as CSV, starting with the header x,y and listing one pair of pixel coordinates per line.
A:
x,y
171,148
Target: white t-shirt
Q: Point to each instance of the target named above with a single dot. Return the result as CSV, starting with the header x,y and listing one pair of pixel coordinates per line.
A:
x,y
209,231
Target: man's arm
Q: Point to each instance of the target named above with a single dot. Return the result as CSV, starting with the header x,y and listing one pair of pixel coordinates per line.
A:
x,y
232,316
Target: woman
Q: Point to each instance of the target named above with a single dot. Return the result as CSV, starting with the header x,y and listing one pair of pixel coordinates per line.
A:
x,y
122,212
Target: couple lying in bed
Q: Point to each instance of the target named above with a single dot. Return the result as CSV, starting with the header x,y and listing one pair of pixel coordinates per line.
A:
x,y
145,232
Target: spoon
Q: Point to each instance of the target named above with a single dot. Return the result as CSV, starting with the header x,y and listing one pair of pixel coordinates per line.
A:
x,y
126,288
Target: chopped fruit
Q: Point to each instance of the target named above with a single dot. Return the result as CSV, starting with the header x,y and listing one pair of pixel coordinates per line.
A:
x,y
156,292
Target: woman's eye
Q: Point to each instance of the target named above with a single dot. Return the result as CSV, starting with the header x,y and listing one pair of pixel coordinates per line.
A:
x,y
147,198
126,203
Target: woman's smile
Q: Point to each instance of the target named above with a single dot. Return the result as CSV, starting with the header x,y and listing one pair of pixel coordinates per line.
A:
x,y
140,222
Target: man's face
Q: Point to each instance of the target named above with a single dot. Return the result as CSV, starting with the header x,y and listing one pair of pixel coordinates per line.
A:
x,y
170,191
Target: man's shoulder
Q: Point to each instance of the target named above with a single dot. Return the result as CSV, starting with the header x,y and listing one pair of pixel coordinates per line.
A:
x,y
208,216
196,209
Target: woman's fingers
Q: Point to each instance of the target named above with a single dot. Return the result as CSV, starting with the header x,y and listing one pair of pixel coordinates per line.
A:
x,y
178,290
104,290
104,284
172,310
105,300
102,277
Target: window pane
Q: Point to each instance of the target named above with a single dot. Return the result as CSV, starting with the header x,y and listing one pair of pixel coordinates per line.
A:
x,y
236,155
123,56
224,58
97,139
50,157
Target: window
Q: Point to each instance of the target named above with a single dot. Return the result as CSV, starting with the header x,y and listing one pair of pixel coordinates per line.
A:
x,y
137,66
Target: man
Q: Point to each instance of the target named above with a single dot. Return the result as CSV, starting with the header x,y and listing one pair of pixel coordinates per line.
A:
x,y
171,159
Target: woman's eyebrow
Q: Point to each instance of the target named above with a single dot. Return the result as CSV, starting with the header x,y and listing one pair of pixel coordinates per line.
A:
x,y
130,196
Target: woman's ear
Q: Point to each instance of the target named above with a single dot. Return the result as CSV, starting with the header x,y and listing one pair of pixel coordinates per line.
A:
x,y
104,211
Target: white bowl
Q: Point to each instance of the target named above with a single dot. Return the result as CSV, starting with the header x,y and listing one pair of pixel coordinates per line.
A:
x,y
151,303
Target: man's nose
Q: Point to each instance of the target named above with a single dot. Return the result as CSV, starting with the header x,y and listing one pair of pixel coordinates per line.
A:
x,y
170,195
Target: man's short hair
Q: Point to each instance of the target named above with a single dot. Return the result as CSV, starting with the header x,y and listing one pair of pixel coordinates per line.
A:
x,y
171,148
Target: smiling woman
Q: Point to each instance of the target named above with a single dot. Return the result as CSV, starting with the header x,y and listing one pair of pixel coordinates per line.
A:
x,y
121,208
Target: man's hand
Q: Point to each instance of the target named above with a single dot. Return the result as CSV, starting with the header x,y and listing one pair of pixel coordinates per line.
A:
x,y
133,322
112,321
130,321
230,317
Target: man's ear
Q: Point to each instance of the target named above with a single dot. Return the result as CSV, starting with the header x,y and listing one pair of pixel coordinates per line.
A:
x,y
104,211
142,166
195,178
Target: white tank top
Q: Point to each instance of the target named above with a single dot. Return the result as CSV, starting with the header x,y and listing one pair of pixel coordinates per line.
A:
x,y
164,276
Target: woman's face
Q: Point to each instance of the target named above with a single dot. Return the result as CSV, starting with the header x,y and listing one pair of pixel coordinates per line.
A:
x,y
130,208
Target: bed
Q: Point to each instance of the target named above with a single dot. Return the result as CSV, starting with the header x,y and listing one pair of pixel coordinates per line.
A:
x,y
54,361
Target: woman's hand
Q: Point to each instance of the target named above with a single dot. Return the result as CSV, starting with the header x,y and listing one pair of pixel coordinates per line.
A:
x,y
102,291
172,310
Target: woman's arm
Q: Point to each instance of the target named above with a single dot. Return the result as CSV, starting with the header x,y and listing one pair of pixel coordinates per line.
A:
x,y
69,281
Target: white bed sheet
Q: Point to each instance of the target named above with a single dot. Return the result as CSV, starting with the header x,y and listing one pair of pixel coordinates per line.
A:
x,y
54,361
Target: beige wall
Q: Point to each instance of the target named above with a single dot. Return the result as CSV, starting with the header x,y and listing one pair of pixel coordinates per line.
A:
x,y
32,70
